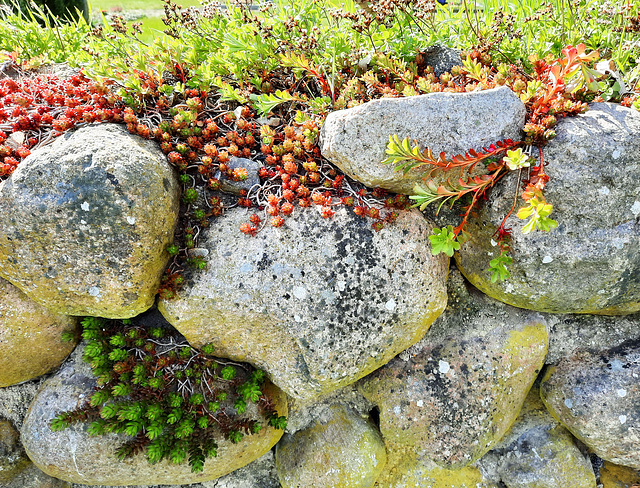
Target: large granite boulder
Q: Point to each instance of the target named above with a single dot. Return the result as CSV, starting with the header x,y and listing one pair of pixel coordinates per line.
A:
x,y
340,449
317,303
590,263
356,139
596,397
30,337
451,397
75,456
85,222
538,452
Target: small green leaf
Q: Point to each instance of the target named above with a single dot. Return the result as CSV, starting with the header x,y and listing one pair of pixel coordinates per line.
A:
x,y
498,268
443,241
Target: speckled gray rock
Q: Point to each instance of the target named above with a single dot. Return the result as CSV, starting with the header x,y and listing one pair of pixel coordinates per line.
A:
x,y
85,221
441,58
261,473
340,449
356,139
15,400
32,477
538,452
75,456
317,303
236,187
590,263
453,395
597,397
574,332
30,337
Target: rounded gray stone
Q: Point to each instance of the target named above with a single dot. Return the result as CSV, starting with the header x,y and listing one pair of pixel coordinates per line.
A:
x,y
453,395
597,397
356,139
591,262
75,456
317,303
85,222
538,452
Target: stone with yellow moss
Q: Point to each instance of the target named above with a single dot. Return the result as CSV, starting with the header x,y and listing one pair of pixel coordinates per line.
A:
x,y
85,222
538,452
340,449
30,337
613,476
452,396
412,473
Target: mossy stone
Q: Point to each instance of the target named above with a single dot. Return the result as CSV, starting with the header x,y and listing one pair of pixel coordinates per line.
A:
x,y
614,476
340,450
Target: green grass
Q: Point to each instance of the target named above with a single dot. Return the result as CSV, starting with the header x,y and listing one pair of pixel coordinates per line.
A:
x,y
111,5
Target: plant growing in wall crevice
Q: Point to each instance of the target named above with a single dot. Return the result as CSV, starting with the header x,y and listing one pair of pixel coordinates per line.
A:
x,y
557,89
173,401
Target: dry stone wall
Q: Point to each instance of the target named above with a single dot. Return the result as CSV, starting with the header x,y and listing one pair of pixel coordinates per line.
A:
x,y
399,369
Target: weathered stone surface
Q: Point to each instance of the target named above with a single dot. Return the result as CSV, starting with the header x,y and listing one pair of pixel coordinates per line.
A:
x,y
612,476
597,397
303,415
85,221
317,303
32,477
441,58
75,456
356,139
15,400
236,187
30,337
410,473
12,457
260,473
590,263
340,449
538,452
573,332
453,395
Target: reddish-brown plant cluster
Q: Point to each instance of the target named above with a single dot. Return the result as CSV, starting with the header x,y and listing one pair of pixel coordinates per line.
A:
x,y
36,109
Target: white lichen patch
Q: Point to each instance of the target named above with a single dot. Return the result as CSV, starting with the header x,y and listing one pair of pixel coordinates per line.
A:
x,y
621,392
443,367
131,220
547,259
568,403
635,208
85,206
603,190
300,292
623,419
390,305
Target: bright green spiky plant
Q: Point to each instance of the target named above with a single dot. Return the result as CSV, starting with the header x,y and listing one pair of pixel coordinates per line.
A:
x,y
173,401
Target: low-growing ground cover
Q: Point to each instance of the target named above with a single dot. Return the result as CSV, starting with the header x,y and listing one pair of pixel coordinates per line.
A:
x,y
241,82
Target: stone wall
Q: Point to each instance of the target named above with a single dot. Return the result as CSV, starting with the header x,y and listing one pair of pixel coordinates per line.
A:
x,y
398,368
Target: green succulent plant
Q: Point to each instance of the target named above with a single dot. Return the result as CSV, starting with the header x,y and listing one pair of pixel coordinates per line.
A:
x,y
173,401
